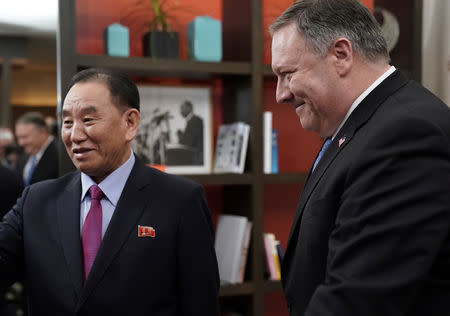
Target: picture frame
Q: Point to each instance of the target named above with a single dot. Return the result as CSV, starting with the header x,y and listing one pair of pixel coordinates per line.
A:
x,y
176,128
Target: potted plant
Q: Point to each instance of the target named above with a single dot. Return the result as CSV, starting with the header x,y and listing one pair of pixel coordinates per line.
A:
x,y
160,41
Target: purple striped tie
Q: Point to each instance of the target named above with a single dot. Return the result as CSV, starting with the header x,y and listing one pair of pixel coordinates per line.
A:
x,y
91,235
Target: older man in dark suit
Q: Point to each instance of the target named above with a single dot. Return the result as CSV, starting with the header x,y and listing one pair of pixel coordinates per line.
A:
x,y
115,237
371,235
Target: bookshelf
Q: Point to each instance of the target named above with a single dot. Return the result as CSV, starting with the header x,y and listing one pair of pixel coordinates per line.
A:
x,y
243,76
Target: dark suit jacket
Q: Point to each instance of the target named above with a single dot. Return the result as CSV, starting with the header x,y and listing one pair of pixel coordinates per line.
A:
x,y
175,273
47,167
192,136
11,186
371,232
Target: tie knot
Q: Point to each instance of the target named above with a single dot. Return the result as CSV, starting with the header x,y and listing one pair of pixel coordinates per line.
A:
x,y
96,192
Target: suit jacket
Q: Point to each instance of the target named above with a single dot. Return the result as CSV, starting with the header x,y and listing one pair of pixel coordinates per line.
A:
x,y
173,273
47,167
192,136
371,232
11,186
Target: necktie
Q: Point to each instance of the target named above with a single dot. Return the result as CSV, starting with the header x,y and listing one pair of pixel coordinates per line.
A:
x,y
325,146
30,170
91,234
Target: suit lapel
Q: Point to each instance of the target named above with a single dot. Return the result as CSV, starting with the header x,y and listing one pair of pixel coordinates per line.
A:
x,y
68,216
133,201
358,118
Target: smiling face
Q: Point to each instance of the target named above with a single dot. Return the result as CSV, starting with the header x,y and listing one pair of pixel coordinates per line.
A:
x,y
30,137
306,81
95,132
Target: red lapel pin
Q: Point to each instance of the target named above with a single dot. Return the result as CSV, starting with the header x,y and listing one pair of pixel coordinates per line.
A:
x,y
146,231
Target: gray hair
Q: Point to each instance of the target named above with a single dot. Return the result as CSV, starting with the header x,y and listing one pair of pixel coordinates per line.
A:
x,y
35,118
321,22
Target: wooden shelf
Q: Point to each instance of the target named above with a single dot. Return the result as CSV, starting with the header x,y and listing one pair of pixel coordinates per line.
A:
x,y
164,67
272,286
245,288
285,177
221,179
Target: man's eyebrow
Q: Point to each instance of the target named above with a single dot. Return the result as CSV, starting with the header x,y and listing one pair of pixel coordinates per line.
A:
x,y
87,110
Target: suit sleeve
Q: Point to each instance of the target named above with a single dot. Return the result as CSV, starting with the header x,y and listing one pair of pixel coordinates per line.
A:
x,y
11,244
392,223
197,264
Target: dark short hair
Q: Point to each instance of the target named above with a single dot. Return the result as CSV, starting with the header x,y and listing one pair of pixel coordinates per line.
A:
x,y
122,89
188,104
35,118
321,22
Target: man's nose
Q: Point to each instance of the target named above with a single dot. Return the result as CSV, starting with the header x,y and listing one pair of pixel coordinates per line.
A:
x,y
283,93
78,133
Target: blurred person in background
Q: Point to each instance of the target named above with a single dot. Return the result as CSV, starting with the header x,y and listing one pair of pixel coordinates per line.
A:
x,y
40,159
11,186
6,138
52,125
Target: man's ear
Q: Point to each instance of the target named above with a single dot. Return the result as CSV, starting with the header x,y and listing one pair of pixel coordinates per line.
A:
x,y
342,52
132,118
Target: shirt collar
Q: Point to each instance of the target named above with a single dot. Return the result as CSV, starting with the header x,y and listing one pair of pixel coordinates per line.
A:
x,y
112,186
359,99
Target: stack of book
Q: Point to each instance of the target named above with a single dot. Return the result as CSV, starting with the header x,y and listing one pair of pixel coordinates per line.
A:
x,y
273,255
232,241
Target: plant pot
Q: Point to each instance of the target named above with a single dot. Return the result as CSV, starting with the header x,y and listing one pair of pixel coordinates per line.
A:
x,y
161,44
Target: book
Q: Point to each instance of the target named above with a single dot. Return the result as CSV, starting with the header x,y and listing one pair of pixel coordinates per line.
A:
x,y
271,256
267,141
244,251
274,165
280,251
231,148
229,243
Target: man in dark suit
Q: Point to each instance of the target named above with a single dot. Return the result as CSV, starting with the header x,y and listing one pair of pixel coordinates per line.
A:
x,y
192,135
115,237
40,161
371,231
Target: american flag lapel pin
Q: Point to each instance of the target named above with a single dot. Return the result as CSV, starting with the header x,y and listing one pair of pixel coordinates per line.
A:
x,y
341,140
146,231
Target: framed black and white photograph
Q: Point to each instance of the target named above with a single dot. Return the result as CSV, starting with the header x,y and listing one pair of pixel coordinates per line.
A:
x,y
176,128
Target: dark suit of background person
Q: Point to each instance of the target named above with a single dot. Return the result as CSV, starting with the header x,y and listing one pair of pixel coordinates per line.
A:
x,y
46,168
192,136
32,134
371,232
173,273
11,186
